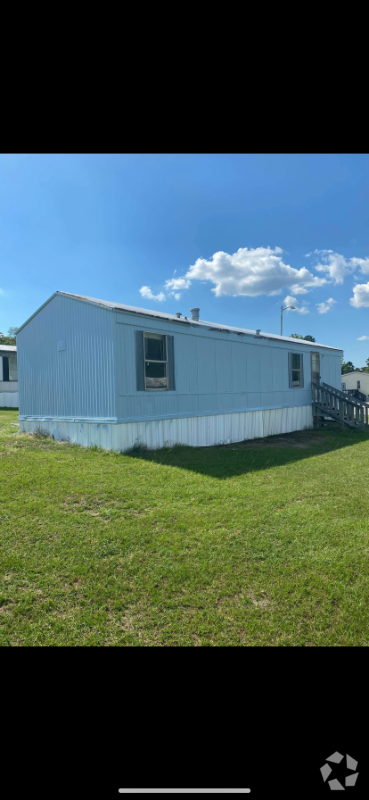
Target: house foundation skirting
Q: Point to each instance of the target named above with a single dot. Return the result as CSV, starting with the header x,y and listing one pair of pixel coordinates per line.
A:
x,y
194,431
9,399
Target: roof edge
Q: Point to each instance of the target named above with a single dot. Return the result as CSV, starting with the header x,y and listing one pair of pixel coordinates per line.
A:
x,y
201,324
36,312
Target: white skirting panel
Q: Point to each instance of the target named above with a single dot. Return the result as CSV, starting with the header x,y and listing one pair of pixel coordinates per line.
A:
x,y
193,431
9,399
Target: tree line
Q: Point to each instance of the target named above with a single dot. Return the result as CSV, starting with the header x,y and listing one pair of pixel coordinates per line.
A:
x,y
10,338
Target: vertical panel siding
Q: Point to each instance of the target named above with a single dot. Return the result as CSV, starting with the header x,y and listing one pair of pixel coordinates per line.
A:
x,y
95,376
78,381
215,372
193,431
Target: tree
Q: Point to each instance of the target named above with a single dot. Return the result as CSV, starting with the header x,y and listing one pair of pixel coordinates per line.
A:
x,y
366,369
347,366
10,338
307,338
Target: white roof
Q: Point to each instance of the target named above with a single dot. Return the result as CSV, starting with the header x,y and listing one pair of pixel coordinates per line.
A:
x,y
358,371
173,318
8,347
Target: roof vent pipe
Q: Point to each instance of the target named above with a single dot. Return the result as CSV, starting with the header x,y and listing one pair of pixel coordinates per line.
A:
x,y
178,314
195,314
258,331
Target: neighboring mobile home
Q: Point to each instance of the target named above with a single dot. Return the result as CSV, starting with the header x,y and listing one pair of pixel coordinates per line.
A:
x,y
98,372
8,376
356,380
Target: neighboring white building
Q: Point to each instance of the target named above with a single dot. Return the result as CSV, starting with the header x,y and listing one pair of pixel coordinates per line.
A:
x,y
8,376
356,380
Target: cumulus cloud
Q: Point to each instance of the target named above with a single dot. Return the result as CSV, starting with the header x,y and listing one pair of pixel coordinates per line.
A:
x,y
146,292
361,296
363,263
362,338
337,266
291,301
258,271
324,307
252,272
175,284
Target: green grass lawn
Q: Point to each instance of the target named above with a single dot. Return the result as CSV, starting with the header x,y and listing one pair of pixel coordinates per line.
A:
x,y
261,543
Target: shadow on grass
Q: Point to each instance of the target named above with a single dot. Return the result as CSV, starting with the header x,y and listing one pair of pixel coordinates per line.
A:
x,y
226,461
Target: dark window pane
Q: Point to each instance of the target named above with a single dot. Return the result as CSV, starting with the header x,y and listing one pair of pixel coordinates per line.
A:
x,y
295,376
295,361
155,348
13,371
156,375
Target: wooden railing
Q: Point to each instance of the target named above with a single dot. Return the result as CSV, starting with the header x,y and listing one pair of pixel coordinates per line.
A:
x,y
357,393
337,404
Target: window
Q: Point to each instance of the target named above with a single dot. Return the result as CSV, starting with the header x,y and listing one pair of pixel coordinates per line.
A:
x,y
296,370
13,369
156,361
358,384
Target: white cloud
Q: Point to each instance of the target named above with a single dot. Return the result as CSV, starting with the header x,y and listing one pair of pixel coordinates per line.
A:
x,y
251,272
291,301
337,266
362,338
363,263
146,292
175,284
177,296
324,307
361,296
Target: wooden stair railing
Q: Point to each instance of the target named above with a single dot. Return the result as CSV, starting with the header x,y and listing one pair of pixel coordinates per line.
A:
x,y
332,402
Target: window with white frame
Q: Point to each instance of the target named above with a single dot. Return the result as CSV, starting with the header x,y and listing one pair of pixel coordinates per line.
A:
x,y
296,370
156,361
13,369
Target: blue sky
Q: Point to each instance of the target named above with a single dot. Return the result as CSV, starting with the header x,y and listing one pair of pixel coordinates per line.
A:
x,y
233,234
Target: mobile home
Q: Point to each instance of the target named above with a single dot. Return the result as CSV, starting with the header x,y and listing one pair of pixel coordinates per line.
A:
x,y
356,381
98,372
8,376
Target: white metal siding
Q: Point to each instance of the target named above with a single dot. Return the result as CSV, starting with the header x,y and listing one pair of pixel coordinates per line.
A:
x,y
9,399
193,431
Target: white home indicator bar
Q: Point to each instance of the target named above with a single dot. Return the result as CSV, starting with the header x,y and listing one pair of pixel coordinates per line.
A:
x,y
184,791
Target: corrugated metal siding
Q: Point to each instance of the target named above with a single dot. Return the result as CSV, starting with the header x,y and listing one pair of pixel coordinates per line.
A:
x,y
9,399
193,431
77,381
215,372
8,386
95,376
